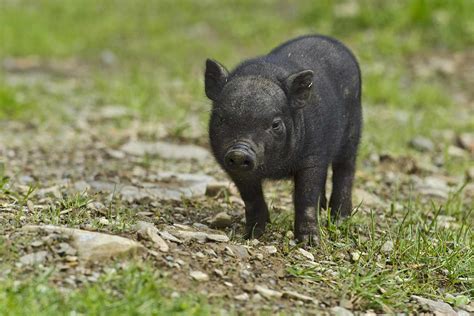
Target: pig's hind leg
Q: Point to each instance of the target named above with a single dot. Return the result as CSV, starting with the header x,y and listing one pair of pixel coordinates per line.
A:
x,y
343,170
323,201
341,197
343,167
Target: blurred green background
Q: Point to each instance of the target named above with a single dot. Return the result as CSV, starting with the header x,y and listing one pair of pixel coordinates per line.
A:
x,y
149,55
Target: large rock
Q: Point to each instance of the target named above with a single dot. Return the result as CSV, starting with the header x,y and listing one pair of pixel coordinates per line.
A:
x,y
93,246
166,150
437,307
221,220
165,186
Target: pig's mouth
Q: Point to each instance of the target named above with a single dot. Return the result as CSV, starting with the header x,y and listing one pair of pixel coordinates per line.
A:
x,y
240,157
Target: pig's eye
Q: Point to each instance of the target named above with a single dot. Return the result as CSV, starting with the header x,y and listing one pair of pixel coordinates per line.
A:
x,y
277,125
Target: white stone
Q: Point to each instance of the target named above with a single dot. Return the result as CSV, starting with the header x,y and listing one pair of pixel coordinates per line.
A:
x,y
158,241
340,311
387,246
217,237
93,246
270,249
170,237
189,235
268,293
199,276
242,297
437,307
421,143
299,296
306,254
34,258
355,256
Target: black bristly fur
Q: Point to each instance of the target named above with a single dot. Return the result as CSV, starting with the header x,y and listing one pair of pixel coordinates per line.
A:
x,y
312,85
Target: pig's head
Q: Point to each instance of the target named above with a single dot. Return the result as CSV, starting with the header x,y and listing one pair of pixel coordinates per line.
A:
x,y
255,121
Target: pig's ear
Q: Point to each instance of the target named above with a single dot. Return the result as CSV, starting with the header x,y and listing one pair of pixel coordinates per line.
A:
x,y
215,78
298,87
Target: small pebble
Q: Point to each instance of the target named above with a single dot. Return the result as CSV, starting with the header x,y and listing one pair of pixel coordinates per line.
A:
x,y
104,221
306,254
242,297
422,144
270,249
30,205
199,276
466,141
387,246
34,258
254,242
355,256
268,293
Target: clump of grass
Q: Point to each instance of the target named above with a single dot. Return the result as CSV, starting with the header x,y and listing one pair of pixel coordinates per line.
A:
x,y
379,265
74,211
71,208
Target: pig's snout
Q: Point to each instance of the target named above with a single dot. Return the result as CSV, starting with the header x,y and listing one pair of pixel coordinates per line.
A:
x,y
240,158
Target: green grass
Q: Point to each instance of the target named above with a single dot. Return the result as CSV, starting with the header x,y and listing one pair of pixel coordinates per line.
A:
x,y
13,104
133,290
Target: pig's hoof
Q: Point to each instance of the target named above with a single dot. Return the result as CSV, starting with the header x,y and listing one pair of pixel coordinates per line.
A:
x,y
254,231
339,218
340,214
308,239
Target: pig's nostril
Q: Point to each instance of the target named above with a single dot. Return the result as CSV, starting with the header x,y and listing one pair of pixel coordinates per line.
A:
x,y
239,160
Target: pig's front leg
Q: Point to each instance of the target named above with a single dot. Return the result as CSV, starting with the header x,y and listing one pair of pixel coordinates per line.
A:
x,y
256,210
309,184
